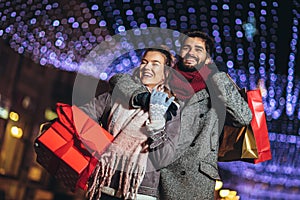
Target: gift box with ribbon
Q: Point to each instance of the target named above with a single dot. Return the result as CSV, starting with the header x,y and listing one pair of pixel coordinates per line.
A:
x,y
68,149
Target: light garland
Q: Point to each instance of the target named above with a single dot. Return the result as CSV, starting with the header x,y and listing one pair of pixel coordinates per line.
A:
x,y
292,98
54,33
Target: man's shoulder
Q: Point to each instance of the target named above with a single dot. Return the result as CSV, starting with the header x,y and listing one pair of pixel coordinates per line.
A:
x,y
117,77
221,66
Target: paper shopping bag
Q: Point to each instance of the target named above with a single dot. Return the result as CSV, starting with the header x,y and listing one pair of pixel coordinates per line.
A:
x,y
259,126
248,143
237,143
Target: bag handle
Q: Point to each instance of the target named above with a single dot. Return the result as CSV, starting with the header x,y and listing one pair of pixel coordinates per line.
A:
x,y
229,77
243,91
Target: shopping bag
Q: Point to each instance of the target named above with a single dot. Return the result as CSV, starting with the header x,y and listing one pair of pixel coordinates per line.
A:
x,y
237,143
248,143
259,126
64,147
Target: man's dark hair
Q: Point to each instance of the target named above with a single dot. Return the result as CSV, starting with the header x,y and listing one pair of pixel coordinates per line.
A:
x,y
209,42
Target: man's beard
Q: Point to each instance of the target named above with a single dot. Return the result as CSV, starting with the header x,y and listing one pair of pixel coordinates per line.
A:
x,y
183,67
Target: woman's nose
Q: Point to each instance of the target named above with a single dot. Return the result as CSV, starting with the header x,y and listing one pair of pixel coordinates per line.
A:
x,y
148,66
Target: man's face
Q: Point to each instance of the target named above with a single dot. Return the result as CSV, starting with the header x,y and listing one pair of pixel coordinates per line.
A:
x,y
152,69
193,53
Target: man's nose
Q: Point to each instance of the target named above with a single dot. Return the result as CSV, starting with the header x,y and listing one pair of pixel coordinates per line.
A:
x,y
191,52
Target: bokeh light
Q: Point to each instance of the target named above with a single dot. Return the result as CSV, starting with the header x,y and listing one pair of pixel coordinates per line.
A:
x,y
62,34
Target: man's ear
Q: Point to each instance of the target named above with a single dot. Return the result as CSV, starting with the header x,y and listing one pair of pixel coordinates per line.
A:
x,y
208,60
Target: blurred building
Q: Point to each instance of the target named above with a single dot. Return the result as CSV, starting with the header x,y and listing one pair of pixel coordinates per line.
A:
x,y
28,94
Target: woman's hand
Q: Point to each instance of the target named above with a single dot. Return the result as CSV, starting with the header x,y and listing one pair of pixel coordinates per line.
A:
x,y
159,105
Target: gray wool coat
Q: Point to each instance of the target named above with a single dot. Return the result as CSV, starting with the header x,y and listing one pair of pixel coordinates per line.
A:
x,y
194,169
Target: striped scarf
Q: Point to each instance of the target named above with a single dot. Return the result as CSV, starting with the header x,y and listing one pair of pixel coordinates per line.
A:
x,y
123,156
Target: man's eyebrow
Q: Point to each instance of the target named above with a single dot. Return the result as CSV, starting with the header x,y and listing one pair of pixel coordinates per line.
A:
x,y
200,47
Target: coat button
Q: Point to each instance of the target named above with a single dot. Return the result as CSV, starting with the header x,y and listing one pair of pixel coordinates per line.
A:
x,y
201,115
182,173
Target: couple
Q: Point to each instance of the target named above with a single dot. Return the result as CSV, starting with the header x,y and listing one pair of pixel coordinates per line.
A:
x,y
178,135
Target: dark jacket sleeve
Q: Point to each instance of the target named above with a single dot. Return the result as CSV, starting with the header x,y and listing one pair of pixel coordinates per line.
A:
x,y
124,85
97,106
164,154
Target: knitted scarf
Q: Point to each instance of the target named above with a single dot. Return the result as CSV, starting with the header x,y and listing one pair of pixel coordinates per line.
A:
x,y
123,156
185,83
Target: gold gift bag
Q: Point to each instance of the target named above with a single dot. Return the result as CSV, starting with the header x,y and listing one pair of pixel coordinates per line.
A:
x,y
237,144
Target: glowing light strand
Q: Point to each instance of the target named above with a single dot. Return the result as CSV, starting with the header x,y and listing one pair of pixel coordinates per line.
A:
x,y
291,99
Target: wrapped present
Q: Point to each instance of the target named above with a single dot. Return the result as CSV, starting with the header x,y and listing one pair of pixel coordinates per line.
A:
x,y
68,148
92,135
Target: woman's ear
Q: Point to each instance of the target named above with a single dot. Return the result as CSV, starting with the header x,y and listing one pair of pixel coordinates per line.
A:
x,y
166,71
166,74
136,74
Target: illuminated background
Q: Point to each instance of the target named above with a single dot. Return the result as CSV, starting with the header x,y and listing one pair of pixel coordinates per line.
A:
x,y
257,40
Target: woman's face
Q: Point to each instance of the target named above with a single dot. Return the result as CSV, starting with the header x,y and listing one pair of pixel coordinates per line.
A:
x,y
152,69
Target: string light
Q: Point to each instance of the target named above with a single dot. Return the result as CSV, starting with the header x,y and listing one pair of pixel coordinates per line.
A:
x,y
65,45
291,99
63,35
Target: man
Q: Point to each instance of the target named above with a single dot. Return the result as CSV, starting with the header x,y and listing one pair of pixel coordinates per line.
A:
x,y
206,96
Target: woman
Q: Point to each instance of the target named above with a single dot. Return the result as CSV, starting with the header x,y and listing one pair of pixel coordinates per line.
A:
x,y
128,168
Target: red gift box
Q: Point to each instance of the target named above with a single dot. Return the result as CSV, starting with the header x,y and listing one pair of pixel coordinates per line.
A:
x,y
92,135
67,149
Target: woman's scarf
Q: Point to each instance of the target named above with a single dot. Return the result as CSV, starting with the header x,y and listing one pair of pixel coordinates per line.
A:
x,y
124,155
